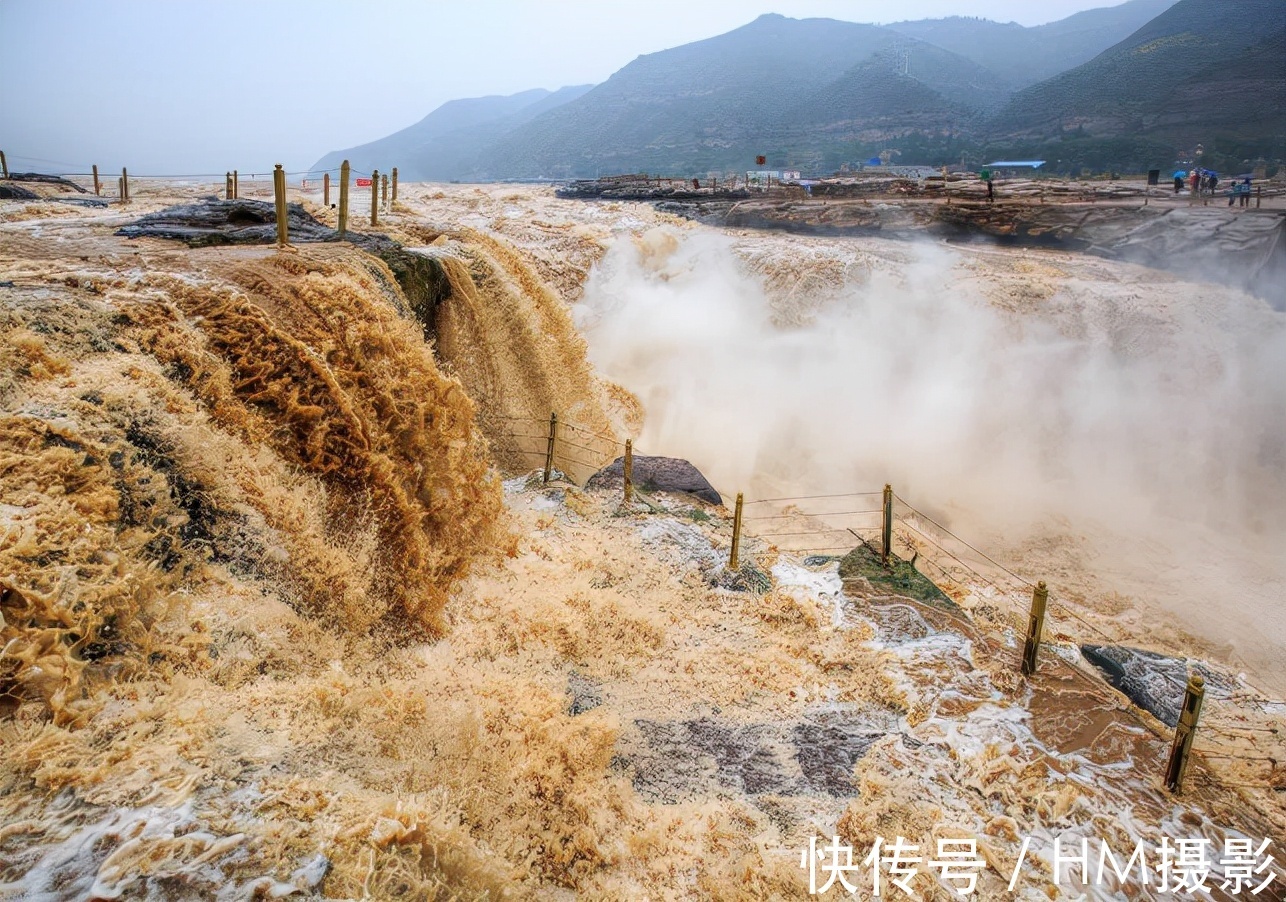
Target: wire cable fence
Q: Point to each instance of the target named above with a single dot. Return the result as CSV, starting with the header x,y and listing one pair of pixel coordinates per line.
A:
x,y
823,528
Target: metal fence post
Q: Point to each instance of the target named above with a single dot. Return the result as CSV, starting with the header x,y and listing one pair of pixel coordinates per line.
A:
x,y
279,196
1035,626
628,470
343,198
98,186
1185,732
375,197
733,560
886,534
549,451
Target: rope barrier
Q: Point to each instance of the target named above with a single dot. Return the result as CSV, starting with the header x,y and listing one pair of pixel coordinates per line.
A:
x,y
814,497
950,555
568,441
817,515
603,435
920,513
566,457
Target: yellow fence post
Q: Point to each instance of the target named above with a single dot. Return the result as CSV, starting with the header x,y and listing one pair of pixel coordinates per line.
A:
x,y
886,534
394,184
628,470
236,185
549,452
1035,626
734,558
375,197
98,186
343,198
279,196
384,191
326,189
1185,732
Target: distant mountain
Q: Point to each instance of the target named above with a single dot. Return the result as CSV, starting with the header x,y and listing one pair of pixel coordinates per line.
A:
x,y
1023,56
715,104
445,141
1196,71
1141,80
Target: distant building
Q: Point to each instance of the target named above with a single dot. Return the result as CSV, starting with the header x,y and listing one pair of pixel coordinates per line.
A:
x,y
762,178
1010,168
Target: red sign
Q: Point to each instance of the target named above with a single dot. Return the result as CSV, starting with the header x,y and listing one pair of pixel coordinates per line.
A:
x,y
760,160
363,183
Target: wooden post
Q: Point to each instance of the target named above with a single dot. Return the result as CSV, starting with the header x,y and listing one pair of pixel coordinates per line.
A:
x,y
343,198
1035,626
326,190
1185,732
375,197
125,183
98,186
394,184
384,191
279,195
886,534
236,187
227,186
120,188
549,452
733,560
4,165
1259,195
628,470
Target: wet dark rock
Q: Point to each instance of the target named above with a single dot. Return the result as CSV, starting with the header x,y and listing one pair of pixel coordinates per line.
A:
x,y
681,760
99,202
746,578
15,192
227,222
657,474
828,747
46,179
1154,682
900,577
585,695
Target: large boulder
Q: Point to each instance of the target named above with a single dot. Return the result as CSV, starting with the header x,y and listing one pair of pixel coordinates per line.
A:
x,y
657,474
1153,681
234,221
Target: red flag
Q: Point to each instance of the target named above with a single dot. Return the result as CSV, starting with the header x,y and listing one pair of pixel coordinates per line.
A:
x,y
363,183
759,160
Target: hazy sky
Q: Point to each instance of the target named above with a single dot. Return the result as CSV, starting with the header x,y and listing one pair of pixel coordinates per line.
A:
x,y
196,86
